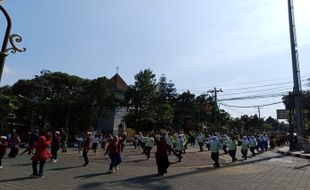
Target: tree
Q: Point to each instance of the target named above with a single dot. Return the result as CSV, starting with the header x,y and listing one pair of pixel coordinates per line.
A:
x,y
141,99
167,90
101,97
184,114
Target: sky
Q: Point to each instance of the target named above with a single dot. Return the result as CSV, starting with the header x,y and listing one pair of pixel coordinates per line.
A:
x,y
240,46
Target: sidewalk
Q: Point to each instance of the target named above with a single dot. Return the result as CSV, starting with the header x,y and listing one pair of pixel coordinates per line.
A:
x,y
300,154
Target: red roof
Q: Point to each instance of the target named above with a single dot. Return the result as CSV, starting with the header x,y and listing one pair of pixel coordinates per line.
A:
x,y
119,83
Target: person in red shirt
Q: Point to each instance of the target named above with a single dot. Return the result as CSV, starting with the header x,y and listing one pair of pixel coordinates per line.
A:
x,y
86,147
40,156
161,154
3,145
114,150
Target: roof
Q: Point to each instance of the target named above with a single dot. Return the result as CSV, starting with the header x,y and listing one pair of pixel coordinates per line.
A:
x,y
119,83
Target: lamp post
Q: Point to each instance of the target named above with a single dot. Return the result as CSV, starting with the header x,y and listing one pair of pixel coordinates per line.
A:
x,y
12,38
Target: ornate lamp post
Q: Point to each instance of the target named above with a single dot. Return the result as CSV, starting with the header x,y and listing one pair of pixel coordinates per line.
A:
x,y
12,38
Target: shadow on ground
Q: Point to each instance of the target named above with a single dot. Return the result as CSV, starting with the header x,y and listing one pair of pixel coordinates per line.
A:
x,y
156,182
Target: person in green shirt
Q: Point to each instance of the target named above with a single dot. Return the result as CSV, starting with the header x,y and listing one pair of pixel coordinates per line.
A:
x,y
232,146
253,145
245,147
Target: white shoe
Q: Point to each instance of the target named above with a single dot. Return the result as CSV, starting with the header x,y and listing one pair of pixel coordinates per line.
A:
x,y
54,161
111,171
1,167
116,168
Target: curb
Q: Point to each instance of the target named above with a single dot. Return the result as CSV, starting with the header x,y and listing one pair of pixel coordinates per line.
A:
x,y
299,155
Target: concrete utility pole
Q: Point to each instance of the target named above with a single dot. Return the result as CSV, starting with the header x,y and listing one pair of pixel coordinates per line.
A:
x,y
297,91
215,91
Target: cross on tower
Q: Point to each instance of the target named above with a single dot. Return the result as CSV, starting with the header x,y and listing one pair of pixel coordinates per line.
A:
x,y
117,68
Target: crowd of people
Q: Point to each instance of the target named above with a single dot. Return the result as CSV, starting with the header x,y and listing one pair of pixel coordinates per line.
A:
x,y
45,146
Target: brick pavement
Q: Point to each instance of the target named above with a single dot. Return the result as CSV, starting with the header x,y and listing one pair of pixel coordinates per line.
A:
x,y
265,171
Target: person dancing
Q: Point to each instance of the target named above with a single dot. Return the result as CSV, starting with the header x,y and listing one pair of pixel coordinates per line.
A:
x,y
40,156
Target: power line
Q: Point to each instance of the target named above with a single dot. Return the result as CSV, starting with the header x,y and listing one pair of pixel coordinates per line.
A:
x,y
252,106
288,87
255,96
253,82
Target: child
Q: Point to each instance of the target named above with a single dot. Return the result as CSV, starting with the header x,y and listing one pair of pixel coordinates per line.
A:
x,y
3,145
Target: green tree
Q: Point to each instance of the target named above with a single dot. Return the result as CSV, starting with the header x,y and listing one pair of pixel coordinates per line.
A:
x,y
184,114
141,99
101,97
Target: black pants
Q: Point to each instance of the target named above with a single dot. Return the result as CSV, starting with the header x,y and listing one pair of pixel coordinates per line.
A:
x,y
162,164
63,146
244,154
225,149
54,151
13,152
232,154
1,156
200,146
41,167
115,161
86,161
252,151
215,158
147,151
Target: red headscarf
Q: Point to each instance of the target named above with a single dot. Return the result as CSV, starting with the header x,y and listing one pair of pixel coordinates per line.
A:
x,y
41,147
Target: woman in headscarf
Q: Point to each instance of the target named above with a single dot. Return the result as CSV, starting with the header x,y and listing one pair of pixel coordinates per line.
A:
x,y
245,147
114,150
214,148
40,156
232,146
161,154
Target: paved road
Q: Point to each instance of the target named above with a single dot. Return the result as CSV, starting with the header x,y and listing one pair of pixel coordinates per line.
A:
x,y
265,171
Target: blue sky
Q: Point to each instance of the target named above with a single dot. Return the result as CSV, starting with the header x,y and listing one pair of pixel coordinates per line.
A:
x,y
240,46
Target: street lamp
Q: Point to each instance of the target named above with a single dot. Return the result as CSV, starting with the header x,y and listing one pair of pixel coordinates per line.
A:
x,y
12,38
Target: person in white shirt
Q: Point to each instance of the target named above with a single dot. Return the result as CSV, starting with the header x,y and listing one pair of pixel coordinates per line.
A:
x,y
169,141
149,143
201,139
95,143
179,145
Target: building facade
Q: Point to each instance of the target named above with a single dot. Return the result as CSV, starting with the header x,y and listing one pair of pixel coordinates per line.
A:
x,y
112,121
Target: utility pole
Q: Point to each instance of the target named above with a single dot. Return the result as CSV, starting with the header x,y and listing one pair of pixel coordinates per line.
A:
x,y
258,109
215,91
297,91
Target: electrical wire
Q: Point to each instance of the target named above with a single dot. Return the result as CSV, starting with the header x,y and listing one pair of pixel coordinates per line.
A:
x,y
252,106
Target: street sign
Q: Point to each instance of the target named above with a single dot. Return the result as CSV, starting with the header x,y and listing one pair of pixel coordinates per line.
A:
x,y
282,114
